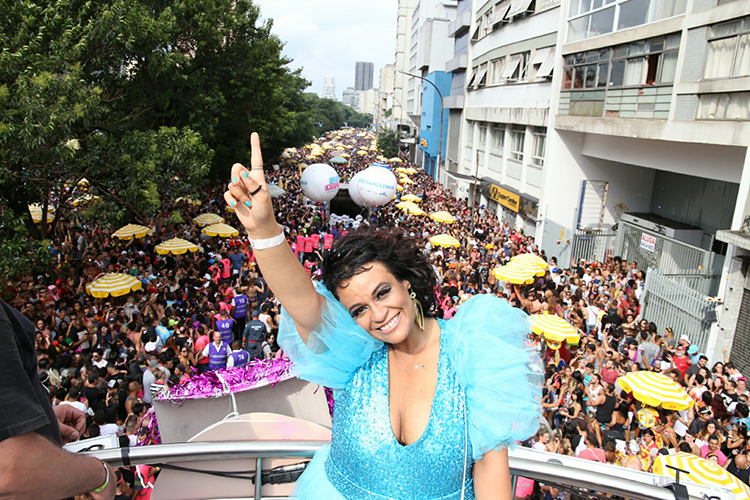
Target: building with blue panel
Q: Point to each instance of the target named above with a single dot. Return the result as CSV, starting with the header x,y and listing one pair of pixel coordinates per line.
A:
x,y
430,146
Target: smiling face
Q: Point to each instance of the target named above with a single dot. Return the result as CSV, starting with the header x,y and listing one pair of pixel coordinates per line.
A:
x,y
379,303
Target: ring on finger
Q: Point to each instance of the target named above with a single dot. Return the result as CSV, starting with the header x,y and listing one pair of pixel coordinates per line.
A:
x,y
256,190
257,168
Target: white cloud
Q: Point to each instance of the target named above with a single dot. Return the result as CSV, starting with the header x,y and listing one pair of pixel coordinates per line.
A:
x,y
329,36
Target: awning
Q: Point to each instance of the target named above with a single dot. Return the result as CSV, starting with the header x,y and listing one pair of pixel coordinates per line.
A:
x,y
473,77
482,80
518,7
510,68
500,11
545,58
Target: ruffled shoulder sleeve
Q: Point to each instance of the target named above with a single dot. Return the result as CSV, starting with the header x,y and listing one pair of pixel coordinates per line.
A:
x,y
334,350
501,376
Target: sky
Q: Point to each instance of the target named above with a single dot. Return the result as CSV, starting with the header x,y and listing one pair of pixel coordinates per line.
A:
x,y
329,36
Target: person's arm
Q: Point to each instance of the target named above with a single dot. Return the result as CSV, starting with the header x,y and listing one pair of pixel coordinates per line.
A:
x,y
491,476
281,269
33,467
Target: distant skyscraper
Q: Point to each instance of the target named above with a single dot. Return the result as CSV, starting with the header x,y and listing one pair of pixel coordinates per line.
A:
x,y
351,98
363,74
329,87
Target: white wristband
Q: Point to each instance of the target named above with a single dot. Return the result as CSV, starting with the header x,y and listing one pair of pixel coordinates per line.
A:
x,y
267,242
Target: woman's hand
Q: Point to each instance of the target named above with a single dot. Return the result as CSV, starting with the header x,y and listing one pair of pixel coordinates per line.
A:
x,y
248,194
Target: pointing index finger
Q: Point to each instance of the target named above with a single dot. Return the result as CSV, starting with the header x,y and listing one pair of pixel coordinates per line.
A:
x,y
256,161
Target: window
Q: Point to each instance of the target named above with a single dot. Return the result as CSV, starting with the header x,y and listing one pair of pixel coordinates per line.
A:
x,y
511,67
472,80
590,18
516,142
727,106
728,50
482,78
644,62
543,63
496,70
498,139
540,141
470,132
483,133
521,71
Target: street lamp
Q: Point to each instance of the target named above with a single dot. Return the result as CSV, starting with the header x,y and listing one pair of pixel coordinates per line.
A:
x,y
440,139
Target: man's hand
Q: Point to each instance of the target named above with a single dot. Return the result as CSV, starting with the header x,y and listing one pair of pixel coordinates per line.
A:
x,y
109,492
72,422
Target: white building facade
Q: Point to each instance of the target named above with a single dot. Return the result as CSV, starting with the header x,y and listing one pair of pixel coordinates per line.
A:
x,y
504,61
329,87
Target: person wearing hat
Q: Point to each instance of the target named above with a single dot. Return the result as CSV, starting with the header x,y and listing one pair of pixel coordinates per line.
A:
x,y
253,335
681,361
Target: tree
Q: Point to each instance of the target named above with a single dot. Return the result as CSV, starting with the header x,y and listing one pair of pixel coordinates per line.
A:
x,y
141,98
388,142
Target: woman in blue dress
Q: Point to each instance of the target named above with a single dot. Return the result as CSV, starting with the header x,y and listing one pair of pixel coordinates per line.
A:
x,y
424,408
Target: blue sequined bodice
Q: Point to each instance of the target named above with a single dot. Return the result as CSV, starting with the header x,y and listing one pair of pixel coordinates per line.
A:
x,y
367,462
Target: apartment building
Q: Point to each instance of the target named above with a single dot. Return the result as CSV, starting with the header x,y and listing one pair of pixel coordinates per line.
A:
x,y
501,90
649,135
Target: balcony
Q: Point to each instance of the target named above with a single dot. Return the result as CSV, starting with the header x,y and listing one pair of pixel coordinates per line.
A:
x,y
460,62
454,102
461,25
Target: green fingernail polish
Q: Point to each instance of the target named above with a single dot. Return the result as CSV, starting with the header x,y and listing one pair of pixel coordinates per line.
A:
x,y
248,204
245,175
233,203
235,180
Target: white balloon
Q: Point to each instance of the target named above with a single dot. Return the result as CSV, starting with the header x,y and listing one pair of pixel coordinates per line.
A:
x,y
320,182
377,186
354,190
358,217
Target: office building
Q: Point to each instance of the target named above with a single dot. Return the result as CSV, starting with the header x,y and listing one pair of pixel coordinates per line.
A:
x,y
363,75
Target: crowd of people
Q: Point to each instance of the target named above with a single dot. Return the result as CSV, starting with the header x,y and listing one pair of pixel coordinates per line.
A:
x,y
212,309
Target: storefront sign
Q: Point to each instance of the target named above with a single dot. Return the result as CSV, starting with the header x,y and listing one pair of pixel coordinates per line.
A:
x,y
505,197
648,242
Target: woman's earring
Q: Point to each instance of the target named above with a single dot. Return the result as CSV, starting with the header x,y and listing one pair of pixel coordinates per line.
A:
x,y
418,311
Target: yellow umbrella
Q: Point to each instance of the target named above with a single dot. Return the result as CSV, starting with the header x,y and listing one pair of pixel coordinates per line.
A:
x,y
36,213
515,274
554,328
411,170
442,216
220,229
407,205
361,152
411,197
531,260
345,155
177,246
445,240
401,170
395,160
405,180
190,201
416,211
655,389
84,200
701,471
530,267
132,231
229,209
285,155
114,284
400,188
207,219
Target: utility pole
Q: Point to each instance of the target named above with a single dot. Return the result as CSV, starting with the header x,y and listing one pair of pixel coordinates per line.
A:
x,y
474,193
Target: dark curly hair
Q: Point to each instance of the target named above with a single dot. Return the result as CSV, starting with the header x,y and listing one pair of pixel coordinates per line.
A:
x,y
393,248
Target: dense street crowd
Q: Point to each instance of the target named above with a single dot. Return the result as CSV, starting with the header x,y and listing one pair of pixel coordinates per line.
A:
x,y
195,312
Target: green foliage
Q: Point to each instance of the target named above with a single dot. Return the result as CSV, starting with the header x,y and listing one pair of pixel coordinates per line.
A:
x,y
333,115
388,142
143,99
176,217
19,253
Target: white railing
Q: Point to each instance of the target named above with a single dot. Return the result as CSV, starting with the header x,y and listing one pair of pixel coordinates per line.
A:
x,y
590,479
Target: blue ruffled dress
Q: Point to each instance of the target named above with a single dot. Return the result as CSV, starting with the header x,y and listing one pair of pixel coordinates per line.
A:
x,y
487,398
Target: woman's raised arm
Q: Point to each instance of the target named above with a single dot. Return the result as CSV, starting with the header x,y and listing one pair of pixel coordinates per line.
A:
x,y
248,194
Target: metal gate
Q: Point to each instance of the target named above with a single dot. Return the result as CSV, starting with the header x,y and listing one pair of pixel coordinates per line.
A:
x,y
669,303
688,264
741,342
592,246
